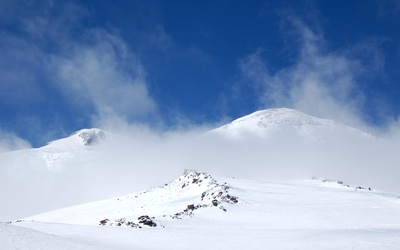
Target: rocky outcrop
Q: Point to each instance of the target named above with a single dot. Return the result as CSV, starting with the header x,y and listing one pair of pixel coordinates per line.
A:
x,y
200,189
91,137
143,220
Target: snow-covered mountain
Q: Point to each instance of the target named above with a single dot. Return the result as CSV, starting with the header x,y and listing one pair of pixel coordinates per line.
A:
x,y
34,176
282,120
177,199
82,165
198,211
53,155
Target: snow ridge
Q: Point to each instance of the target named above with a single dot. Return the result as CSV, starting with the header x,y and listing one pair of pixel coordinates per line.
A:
x,y
178,199
199,189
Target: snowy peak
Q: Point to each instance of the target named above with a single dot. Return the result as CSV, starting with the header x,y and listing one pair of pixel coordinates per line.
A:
x,y
275,118
178,199
206,190
268,121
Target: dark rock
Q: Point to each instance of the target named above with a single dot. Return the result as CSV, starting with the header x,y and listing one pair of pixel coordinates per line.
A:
x,y
233,199
103,222
145,220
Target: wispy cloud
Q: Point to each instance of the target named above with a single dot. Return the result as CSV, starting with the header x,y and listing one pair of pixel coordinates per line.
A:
x,y
9,142
106,75
321,82
52,58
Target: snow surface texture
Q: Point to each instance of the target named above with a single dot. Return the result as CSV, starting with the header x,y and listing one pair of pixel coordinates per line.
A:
x,y
312,214
13,237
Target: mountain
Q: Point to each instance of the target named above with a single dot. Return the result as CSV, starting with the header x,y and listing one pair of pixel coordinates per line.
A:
x,y
55,153
177,199
198,211
32,177
93,164
282,120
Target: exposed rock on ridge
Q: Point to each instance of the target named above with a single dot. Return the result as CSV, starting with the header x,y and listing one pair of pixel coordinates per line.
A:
x,y
199,189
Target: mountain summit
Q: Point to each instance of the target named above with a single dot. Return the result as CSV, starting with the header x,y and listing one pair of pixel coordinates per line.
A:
x,y
270,121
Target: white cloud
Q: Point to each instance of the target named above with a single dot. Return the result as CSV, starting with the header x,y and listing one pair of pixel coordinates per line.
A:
x,y
104,74
320,83
10,142
327,84
54,56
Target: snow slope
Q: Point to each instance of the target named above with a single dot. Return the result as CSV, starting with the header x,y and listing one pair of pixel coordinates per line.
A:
x,y
179,198
197,211
32,177
14,237
55,153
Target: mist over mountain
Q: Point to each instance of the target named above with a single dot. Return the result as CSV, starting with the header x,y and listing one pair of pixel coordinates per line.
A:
x,y
276,144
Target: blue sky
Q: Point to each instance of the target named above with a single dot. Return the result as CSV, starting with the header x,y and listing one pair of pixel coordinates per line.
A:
x,y
67,65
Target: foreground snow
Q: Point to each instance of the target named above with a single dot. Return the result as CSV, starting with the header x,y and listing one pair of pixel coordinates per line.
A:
x,y
309,214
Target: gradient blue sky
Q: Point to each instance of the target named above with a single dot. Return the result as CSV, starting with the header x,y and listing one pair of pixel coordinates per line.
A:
x,y
67,65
